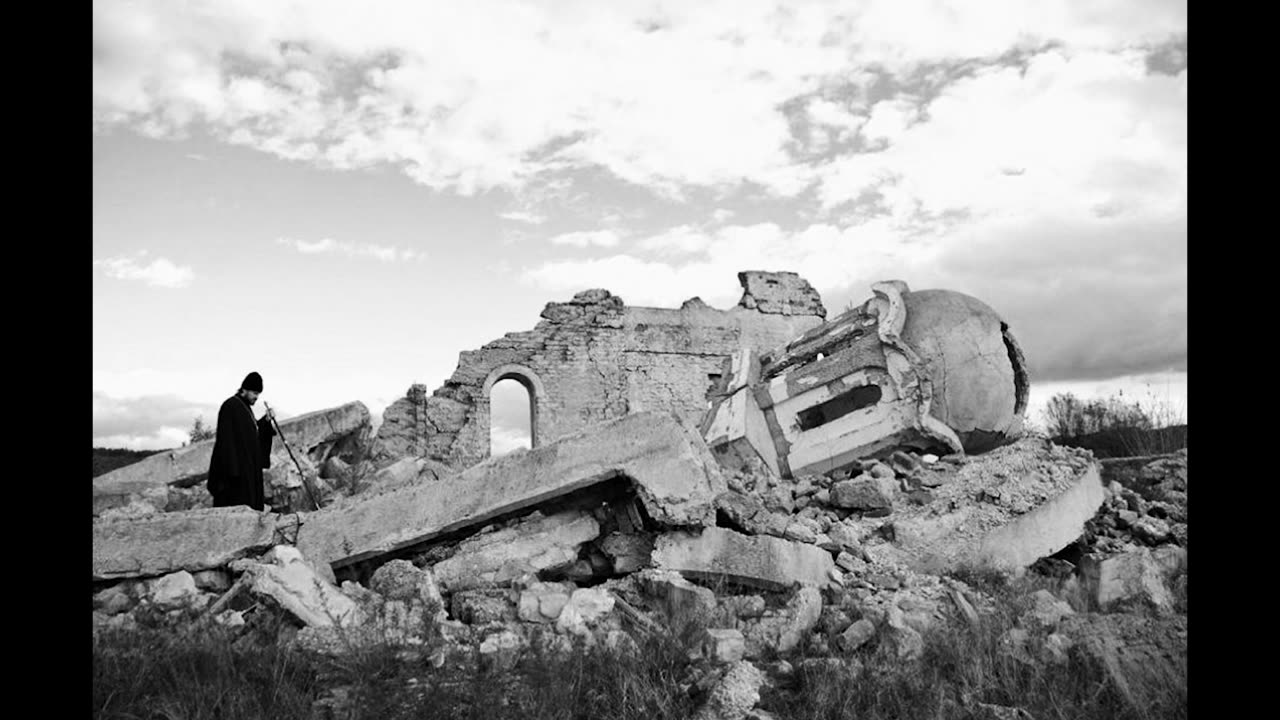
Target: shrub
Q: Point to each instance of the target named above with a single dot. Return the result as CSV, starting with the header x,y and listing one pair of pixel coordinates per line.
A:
x,y
1114,426
199,432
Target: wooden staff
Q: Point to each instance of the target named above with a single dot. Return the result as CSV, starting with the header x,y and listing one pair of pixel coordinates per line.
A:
x,y
296,464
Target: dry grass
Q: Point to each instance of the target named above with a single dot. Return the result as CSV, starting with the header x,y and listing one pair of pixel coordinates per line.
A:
x,y
1117,426
203,672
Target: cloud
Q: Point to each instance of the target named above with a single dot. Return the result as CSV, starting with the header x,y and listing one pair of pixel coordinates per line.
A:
x,y
1081,132
689,262
504,440
1030,154
663,95
165,438
524,217
157,273
385,253
1054,189
596,238
1086,297
146,422
508,417
682,240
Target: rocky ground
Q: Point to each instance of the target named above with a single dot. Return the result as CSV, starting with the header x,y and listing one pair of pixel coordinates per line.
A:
x,y
804,589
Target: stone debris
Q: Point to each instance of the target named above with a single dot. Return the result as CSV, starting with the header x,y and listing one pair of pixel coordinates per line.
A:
x,y
286,578
734,693
174,590
533,545
906,641
400,580
1048,610
874,493
1137,577
1146,506
678,597
783,629
628,552
501,651
112,601
759,561
216,580
542,602
857,635
723,645
483,607
586,607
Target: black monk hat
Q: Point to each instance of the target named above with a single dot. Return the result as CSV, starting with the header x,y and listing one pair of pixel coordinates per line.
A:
x,y
252,381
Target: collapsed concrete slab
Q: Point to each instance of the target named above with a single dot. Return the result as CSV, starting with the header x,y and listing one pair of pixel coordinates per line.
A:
x,y
192,540
761,561
526,548
1004,509
187,466
675,477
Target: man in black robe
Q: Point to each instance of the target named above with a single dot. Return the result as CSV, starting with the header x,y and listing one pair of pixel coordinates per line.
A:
x,y
241,449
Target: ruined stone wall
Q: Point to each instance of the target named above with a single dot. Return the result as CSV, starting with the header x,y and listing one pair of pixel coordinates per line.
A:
x,y
592,359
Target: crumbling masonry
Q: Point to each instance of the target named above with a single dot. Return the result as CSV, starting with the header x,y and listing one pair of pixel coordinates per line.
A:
x,y
593,359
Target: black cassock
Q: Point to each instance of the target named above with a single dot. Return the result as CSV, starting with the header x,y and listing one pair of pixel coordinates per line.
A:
x,y
241,450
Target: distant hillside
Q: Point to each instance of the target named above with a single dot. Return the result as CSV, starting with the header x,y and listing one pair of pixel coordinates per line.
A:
x,y
107,459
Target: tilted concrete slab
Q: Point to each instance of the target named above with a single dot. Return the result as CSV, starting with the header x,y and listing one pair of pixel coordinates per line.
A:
x,y
192,540
1048,528
188,465
527,547
1005,508
762,561
675,476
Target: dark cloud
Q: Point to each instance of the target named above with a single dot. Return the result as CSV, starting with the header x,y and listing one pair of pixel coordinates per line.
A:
x,y
1086,300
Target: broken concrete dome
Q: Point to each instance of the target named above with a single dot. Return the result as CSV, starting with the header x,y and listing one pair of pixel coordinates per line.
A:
x,y
978,372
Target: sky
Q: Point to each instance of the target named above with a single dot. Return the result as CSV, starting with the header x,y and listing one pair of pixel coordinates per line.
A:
x,y
342,196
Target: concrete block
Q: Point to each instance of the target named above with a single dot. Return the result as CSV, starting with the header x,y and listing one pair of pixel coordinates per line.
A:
x,y
760,561
191,540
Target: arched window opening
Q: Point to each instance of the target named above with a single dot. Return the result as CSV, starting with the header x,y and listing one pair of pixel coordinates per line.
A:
x,y
510,417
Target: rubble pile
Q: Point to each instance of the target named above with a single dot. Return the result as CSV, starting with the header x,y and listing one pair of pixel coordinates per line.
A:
x,y
649,522
1146,508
